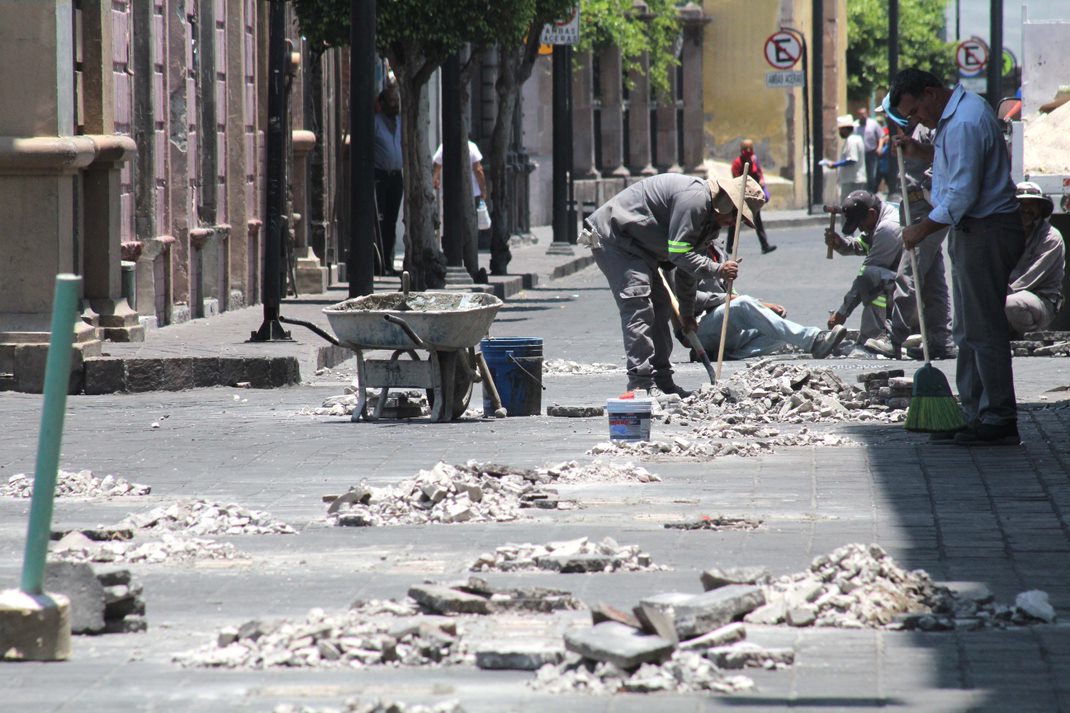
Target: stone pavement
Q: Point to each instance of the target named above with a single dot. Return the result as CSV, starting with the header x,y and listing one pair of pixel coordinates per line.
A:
x,y
997,516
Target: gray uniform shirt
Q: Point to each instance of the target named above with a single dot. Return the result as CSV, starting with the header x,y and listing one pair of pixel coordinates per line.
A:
x,y
1041,267
882,248
918,178
664,218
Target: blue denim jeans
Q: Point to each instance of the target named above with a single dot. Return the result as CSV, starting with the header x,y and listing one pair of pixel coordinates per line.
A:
x,y
753,330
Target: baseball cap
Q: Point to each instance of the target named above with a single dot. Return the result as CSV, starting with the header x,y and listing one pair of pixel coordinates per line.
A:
x,y
855,206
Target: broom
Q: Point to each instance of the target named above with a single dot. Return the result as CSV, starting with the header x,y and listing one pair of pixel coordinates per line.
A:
x,y
933,407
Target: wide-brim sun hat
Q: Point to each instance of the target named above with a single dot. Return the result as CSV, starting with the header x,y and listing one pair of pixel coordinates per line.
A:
x,y
845,121
753,198
1030,191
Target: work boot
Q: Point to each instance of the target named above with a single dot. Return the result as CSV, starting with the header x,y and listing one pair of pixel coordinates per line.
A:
x,y
826,341
883,346
989,434
669,386
935,354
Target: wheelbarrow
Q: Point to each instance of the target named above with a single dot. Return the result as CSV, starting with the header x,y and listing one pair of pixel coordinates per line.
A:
x,y
447,325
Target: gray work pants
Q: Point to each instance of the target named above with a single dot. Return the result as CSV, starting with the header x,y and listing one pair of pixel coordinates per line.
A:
x,y
753,330
1027,312
645,312
875,286
983,252
934,295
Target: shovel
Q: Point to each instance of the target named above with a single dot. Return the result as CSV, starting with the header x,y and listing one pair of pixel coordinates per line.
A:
x,y
692,338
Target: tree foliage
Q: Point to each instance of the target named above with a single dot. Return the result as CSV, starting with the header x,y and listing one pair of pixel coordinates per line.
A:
x,y
921,26
608,23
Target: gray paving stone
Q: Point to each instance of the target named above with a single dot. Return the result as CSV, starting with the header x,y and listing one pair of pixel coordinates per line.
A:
x,y
621,645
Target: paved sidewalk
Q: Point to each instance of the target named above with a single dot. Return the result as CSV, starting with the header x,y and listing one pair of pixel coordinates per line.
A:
x,y
998,516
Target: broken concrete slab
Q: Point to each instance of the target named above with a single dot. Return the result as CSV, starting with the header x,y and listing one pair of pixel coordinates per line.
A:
x,y
722,576
724,636
604,612
576,563
716,608
575,411
80,585
618,644
438,599
769,614
518,657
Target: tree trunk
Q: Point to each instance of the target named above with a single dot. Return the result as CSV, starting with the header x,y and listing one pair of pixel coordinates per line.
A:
x,y
423,256
471,226
508,89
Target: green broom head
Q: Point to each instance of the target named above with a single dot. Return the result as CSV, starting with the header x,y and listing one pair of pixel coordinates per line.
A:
x,y
933,407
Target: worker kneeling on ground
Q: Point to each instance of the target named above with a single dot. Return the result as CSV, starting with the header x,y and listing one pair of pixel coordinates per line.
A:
x,y
881,245
1035,292
755,328
667,221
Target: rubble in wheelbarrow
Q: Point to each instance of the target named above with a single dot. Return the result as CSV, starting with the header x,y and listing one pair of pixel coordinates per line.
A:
x,y
356,706
473,492
201,517
76,547
571,556
75,484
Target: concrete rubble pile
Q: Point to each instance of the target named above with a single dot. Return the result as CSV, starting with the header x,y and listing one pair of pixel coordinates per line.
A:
x,y
107,602
572,472
559,367
76,547
569,556
80,484
1048,343
324,640
200,517
473,492
357,706
858,586
699,444
683,672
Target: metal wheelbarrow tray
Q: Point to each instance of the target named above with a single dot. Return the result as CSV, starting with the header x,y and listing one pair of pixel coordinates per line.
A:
x,y
447,325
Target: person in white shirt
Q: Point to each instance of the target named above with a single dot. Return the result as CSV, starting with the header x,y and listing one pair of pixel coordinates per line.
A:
x,y
871,133
479,179
851,168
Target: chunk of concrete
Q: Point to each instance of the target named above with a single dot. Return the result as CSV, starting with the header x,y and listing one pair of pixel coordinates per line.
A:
x,y
974,591
78,582
770,614
437,599
618,644
518,657
34,627
723,576
718,637
1035,603
716,608
802,615
603,612
657,620
577,563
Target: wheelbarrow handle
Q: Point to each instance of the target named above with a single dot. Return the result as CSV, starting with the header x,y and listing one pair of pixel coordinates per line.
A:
x,y
394,319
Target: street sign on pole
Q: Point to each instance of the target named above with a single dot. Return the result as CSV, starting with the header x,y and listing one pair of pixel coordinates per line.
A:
x,y
779,80
565,31
782,50
971,56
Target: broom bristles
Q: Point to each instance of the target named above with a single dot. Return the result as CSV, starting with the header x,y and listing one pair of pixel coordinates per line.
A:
x,y
933,407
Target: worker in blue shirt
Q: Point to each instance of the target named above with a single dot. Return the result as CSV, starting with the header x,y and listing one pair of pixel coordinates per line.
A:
x,y
972,192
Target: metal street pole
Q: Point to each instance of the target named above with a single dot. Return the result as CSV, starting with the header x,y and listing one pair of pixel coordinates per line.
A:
x,y
817,46
562,148
452,171
363,214
893,40
271,328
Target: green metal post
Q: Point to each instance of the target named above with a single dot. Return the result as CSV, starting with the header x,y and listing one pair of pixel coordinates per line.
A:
x,y
57,381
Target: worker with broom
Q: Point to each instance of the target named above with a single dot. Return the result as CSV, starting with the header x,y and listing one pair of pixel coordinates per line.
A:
x,y
973,193
664,221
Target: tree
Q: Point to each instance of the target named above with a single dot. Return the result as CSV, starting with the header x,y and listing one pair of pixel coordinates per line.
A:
x,y
615,23
921,27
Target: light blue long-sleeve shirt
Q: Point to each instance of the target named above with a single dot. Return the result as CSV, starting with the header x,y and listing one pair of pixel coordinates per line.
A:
x,y
971,166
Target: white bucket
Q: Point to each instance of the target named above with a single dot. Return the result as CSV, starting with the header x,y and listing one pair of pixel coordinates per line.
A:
x,y
629,419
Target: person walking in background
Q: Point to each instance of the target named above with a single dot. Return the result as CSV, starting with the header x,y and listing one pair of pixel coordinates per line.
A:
x,y
747,155
1035,293
871,132
973,193
851,168
386,155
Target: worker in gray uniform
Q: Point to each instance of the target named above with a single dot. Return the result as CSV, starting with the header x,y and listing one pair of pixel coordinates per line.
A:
x,y
881,246
664,221
1035,292
903,320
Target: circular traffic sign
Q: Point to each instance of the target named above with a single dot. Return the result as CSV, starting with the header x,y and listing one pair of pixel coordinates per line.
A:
x,y
971,56
782,50
1010,62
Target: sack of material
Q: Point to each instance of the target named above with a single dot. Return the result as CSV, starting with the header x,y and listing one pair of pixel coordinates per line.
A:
x,y
483,216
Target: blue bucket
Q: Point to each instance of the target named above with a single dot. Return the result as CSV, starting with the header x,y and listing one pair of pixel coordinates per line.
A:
x,y
515,364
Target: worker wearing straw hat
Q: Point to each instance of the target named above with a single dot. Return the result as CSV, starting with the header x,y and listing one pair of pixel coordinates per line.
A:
x,y
664,221
1035,292
972,191
851,168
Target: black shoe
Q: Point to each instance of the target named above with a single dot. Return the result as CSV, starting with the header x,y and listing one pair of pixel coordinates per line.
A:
x,y
940,354
989,434
827,341
766,249
668,386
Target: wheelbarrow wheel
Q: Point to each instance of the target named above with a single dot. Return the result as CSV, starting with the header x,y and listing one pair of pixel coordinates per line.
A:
x,y
462,386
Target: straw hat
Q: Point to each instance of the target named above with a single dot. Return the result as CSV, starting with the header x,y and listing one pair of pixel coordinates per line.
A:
x,y
753,197
845,121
